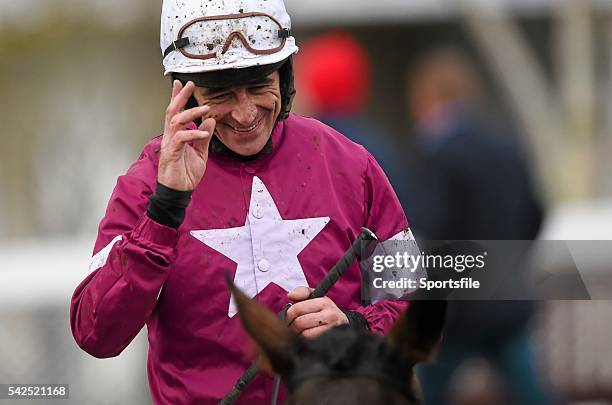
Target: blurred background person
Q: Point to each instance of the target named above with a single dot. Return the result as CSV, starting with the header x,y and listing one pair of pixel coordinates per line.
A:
x,y
474,184
333,75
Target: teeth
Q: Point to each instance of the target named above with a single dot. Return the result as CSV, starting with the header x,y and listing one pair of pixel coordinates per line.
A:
x,y
246,129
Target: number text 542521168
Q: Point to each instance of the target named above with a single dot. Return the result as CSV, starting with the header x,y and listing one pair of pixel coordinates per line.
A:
x,y
34,391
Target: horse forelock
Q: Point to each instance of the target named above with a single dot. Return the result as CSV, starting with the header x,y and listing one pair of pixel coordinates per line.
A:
x,y
343,355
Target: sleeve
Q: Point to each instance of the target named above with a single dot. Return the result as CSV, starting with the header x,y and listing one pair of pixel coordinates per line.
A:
x,y
132,260
384,216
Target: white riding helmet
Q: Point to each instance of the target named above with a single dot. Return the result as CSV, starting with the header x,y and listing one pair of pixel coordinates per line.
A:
x,y
200,36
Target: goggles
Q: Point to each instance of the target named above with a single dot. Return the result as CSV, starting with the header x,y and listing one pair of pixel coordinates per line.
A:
x,y
208,37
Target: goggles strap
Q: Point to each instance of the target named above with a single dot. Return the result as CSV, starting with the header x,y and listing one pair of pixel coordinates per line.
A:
x,y
175,45
284,33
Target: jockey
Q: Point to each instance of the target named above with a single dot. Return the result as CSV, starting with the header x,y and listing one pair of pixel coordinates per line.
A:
x,y
235,184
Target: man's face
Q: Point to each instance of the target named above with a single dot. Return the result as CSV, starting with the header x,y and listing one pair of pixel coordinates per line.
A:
x,y
245,115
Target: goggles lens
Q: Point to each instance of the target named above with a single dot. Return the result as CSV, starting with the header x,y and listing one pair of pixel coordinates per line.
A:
x,y
211,36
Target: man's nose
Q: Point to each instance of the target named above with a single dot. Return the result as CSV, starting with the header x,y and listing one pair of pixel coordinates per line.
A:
x,y
245,111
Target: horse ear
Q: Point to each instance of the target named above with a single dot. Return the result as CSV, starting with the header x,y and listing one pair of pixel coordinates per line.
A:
x,y
274,339
418,330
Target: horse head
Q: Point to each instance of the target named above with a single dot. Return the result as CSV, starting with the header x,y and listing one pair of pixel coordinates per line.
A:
x,y
346,366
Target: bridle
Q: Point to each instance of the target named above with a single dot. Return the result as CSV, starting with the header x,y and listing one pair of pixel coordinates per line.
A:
x,y
362,243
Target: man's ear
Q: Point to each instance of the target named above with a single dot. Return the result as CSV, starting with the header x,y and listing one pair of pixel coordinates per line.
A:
x,y
416,333
275,340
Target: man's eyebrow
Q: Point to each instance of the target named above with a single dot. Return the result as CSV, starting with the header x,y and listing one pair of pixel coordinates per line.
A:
x,y
264,80
208,91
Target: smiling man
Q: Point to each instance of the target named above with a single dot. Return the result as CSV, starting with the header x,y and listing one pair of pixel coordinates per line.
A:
x,y
236,183
245,115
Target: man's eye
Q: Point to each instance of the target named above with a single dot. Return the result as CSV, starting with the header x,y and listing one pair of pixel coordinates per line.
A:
x,y
259,87
219,96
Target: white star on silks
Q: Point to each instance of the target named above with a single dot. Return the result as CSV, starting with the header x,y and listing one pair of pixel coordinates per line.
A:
x,y
266,247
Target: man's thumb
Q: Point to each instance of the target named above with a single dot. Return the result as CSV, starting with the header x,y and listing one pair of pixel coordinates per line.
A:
x,y
207,125
300,294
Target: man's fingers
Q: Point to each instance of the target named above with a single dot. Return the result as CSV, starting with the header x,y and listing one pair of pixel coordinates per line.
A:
x,y
311,320
305,307
208,125
181,119
176,87
300,294
316,332
201,146
179,139
178,102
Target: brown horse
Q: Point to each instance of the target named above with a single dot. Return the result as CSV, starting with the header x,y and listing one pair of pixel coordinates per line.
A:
x,y
345,366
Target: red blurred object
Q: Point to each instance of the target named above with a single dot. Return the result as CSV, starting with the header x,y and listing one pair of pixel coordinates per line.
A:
x,y
334,70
